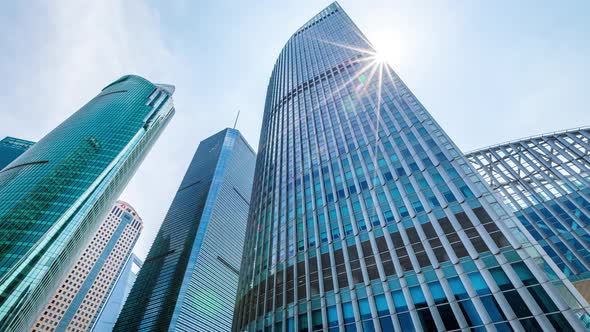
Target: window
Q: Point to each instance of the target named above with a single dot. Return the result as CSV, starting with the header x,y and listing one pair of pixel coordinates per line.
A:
x,y
381,303
348,312
332,316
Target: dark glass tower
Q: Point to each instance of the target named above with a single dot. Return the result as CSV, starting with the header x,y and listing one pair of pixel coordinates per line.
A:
x,y
189,279
366,216
11,148
545,180
55,195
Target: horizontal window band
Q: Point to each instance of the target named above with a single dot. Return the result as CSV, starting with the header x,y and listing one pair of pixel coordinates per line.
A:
x,y
159,256
228,265
26,164
110,93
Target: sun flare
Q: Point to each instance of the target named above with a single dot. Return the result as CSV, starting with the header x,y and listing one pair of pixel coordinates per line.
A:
x,y
381,57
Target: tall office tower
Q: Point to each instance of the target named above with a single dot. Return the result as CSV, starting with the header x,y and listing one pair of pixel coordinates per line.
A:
x,y
11,148
546,182
108,316
366,216
79,299
189,279
54,196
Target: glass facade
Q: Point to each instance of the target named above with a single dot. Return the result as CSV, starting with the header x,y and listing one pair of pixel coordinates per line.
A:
x,y
365,216
11,148
189,279
55,195
546,182
108,316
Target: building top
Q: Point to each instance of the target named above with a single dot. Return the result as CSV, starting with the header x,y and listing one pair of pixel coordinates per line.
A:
x,y
242,138
168,87
17,142
528,138
334,6
126,206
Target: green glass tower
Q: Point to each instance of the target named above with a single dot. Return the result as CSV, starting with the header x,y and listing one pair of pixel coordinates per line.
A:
x,y
53,198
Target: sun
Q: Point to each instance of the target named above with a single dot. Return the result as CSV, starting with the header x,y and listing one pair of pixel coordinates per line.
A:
x,y
380,57
390,46
384,54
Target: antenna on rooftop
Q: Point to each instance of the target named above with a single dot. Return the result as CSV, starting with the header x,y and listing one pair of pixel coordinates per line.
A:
x,y
236,122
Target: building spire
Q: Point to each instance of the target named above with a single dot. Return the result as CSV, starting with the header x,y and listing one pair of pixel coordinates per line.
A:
x,y
236,122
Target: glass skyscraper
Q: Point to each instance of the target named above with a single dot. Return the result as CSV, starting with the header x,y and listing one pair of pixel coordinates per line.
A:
x,y
546,181
189,279
11,148
54,196
108,316
365,216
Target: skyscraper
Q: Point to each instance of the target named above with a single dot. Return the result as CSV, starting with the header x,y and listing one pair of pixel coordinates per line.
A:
x,y
366,216
189,279
108,316
11,148
55,195
546,181
75,305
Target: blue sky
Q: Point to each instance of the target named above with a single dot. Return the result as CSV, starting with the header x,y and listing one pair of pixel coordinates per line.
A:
x,y
488,71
